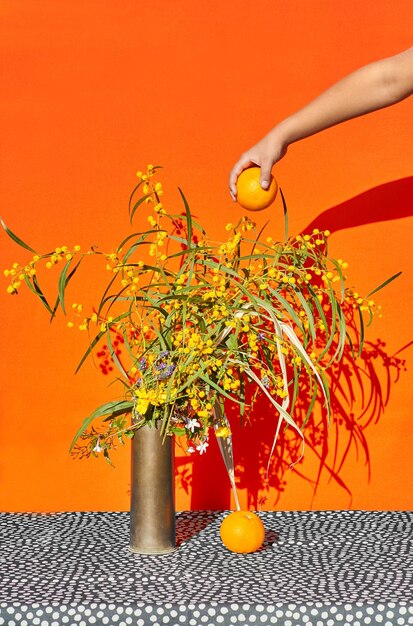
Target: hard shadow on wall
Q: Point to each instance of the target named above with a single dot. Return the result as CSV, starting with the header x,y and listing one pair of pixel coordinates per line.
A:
x,y
360,391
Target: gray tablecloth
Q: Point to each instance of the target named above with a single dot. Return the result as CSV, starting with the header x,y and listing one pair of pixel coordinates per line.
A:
x,y
351,568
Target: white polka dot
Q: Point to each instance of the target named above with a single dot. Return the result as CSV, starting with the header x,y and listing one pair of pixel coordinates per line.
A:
x,y
211,612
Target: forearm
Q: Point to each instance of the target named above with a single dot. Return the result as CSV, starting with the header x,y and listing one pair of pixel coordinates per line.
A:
x,y
369,88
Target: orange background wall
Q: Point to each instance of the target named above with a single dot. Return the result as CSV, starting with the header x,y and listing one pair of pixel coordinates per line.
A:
x,y
92,92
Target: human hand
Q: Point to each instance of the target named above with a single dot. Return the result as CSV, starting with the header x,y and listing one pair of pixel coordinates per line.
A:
x,y
264,154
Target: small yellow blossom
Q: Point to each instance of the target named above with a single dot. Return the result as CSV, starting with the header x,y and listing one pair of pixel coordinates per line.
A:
x,y
223,431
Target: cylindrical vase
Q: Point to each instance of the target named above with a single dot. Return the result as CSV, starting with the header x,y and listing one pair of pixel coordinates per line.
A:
x,y
152,515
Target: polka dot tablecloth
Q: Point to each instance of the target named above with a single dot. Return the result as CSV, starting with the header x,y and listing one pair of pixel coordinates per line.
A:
x,y
348,568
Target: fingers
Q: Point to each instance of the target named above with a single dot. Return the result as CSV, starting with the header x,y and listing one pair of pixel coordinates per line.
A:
x,y
239,167
265,176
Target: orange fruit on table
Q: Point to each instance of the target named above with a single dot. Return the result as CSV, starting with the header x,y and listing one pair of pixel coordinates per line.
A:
x,y
250,194
242,531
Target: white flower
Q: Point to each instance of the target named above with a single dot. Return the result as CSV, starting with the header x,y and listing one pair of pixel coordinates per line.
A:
x,y
97,447
192,424
202,447
191,450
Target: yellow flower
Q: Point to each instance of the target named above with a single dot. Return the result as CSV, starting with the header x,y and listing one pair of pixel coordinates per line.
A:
x,y
223,431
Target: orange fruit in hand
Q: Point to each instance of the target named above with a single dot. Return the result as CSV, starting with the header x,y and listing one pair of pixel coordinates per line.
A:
x,y
250,194
242,531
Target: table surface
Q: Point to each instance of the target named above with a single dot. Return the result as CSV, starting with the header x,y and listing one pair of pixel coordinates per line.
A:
x,y
321,568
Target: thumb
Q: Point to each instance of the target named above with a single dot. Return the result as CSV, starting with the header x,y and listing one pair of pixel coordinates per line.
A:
x,y
265,177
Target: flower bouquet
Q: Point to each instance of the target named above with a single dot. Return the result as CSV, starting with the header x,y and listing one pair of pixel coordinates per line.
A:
x,y
188,324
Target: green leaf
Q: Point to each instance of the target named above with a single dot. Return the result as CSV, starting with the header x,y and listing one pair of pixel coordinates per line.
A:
x,y
16,239
188,219
62,285
113,409
89,350
36,292
386,282
114,355
40,294
361,332
137,204
65,285
285,216
143,233
132,194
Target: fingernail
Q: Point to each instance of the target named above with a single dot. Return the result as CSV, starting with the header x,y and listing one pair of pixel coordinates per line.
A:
x,y
264,184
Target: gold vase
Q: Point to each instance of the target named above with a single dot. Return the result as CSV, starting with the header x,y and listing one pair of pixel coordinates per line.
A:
x,y
152,515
